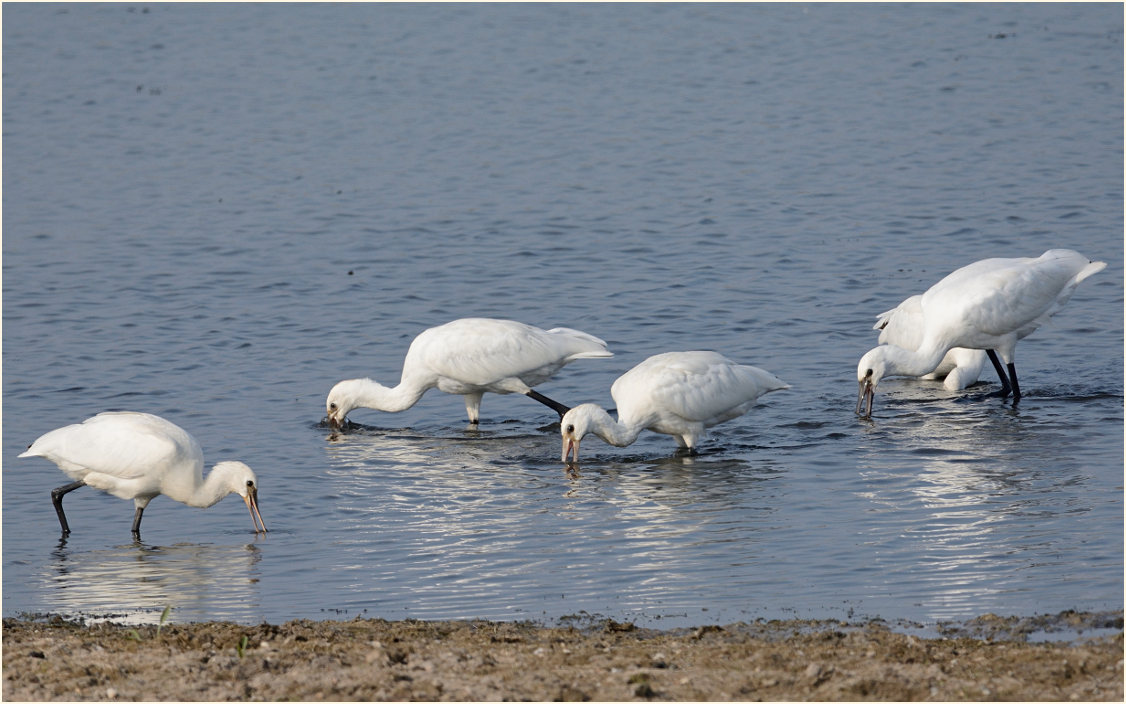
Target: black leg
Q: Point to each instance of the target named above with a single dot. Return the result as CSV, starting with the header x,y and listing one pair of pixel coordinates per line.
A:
x,y
553,405
137,523
1013,379
1005,387
57,499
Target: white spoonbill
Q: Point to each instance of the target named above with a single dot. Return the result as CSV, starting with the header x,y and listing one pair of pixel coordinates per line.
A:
x,y
469,357
902,326
140,456
675,393
988,305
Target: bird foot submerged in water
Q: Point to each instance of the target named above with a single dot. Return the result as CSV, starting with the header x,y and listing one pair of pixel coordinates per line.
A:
x,y
1002,393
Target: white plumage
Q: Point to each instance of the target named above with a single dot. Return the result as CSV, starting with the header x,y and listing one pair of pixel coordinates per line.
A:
x,y
141,456
903,325
470,357
675,393
988,305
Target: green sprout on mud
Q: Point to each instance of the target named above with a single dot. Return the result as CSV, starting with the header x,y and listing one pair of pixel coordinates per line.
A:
x,y
241,647
136,635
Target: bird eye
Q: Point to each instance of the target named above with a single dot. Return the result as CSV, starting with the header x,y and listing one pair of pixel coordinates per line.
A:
x,y
868,374
570,428
332,406
249,483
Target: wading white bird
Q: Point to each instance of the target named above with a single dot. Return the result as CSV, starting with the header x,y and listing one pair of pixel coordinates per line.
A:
x,y
675,393
988,305
469,357
902,326
140,456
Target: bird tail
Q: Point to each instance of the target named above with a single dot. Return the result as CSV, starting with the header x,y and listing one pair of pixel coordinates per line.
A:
x,y
590,346
1090,269
765,379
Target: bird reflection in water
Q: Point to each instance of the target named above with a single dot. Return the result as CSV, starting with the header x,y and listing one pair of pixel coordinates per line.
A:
x,y
132,584
958,507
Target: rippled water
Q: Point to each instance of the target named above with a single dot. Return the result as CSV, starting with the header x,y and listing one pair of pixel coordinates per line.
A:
x,y
215,212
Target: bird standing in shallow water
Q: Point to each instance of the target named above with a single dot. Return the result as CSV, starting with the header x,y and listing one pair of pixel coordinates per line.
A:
x,y
141,456
902,326
470,357
988,305
675,393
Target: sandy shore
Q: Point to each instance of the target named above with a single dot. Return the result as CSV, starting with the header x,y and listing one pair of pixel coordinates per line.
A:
x,y
362,659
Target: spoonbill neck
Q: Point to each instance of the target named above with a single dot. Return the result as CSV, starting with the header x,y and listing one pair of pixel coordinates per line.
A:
x,y
614,432
904,362
202,492
371,394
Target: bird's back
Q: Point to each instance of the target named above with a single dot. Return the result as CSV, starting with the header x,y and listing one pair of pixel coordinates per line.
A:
x,y
698,386
995,297
482,351
119,445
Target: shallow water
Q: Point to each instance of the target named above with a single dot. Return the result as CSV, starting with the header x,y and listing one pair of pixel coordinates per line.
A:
x,y
215,212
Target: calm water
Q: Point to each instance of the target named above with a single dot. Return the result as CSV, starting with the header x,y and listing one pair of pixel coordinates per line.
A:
x,y
214,213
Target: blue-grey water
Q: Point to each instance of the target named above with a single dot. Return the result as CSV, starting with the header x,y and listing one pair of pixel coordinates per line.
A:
x,y
215,212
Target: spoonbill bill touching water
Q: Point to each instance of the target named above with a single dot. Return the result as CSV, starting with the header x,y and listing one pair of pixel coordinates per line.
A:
x,y
141,456
675,393
469,357
988,305
902,326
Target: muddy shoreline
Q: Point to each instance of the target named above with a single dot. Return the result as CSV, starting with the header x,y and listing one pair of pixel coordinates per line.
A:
x,y
991,658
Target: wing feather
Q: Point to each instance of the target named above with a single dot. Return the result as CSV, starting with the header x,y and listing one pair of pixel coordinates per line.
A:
x,y
903,325
703,387
123,445
483,351
1001,296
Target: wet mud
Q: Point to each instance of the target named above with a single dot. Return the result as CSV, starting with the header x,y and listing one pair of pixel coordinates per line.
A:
x,y
991,658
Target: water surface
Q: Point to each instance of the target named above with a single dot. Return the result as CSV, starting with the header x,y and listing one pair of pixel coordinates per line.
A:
x,y
215,212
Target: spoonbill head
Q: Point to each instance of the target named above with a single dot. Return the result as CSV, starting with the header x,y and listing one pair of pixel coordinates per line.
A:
x,y
675,393
140,456
988,305
342,398
470,357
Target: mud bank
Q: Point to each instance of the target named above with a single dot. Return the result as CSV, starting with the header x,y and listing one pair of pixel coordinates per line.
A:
x,y
362,659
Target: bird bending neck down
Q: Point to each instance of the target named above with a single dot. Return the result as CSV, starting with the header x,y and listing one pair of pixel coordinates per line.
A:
x,y
471,357
141,456
592,418
681,394
988,305
366,393
889,360
224,479
350,394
